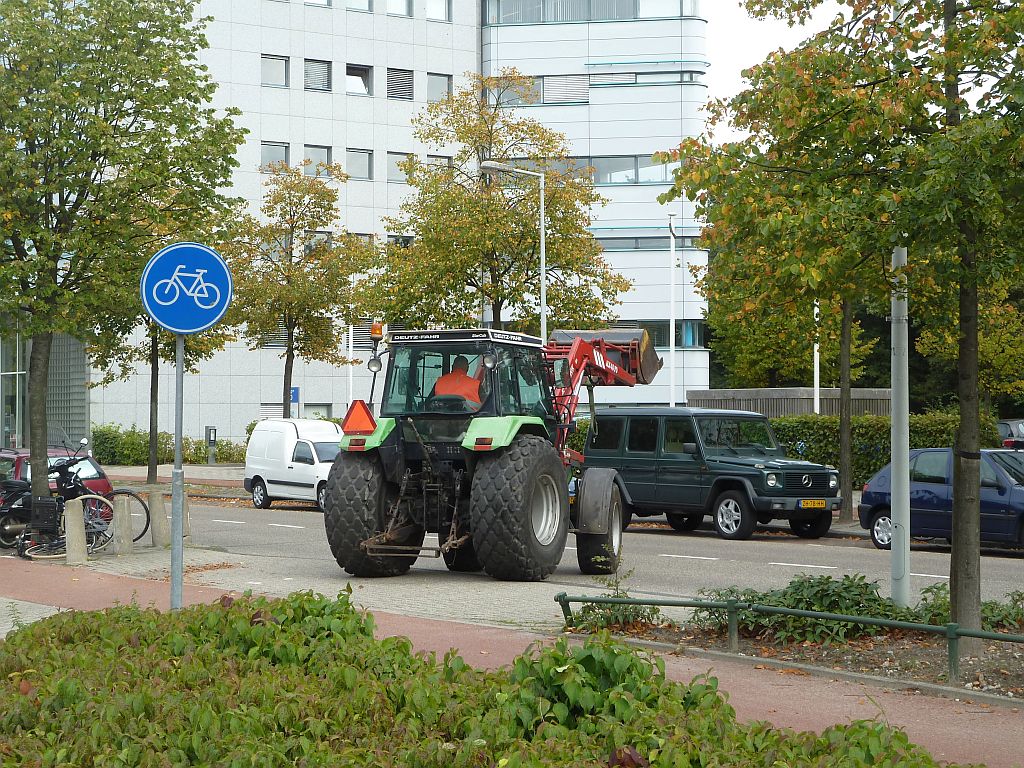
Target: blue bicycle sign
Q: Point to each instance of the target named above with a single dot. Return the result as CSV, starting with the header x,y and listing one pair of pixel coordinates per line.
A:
x,y
186,287
206,295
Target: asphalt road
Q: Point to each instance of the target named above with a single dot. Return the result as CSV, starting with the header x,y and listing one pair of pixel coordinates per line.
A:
x,y
291,548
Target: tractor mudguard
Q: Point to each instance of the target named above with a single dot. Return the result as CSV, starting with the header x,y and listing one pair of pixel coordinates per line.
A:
x,y
592,500
501,430
371,441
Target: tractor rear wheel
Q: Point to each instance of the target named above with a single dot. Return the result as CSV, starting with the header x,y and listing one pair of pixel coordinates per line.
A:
x,y
358,501
519,510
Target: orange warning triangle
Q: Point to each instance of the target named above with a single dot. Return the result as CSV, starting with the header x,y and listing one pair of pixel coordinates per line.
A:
x,y
358,420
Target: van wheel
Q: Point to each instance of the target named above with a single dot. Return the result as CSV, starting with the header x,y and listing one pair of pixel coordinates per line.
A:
x,y
814,528
733,518
321,496
684,522
881,529
260,498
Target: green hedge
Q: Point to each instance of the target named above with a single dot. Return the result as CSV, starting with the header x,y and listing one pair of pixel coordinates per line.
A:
x,y
816,438
114,445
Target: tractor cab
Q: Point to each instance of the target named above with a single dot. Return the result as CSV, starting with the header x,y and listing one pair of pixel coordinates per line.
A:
x,y
443,379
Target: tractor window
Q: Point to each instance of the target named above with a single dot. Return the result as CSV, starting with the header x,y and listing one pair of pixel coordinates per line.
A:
x,y
521,385
414,373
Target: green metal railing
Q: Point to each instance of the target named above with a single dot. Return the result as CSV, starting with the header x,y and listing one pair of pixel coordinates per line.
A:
x,y
952,631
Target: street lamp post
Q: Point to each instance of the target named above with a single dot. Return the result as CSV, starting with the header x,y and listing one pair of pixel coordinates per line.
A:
x,y
493,167
672,311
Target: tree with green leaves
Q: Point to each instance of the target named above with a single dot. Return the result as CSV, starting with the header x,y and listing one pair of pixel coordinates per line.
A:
x,y
106,134
475,238
897,125
293,270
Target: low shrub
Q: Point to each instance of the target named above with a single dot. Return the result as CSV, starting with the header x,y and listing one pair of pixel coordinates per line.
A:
x,y
852,595
129,446
594,617
302,681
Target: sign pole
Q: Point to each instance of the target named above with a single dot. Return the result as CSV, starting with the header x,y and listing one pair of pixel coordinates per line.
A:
x,y
177,476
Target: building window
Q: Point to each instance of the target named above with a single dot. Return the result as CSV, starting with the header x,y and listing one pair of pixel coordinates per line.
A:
x,y
402,241
558,11
614,170
657,9
315,238
359,80
319,157
690,333
360,163
562,89
439,10
440,161
318,75
324,3
394,172
438,86
360,5
400,84
613,78
400,7
274,71
273,152
658,77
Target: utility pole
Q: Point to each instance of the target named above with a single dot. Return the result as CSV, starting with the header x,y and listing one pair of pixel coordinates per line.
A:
x,y
899,561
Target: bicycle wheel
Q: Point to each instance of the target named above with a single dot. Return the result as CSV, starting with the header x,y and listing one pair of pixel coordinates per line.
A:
x,y
137,507
51,550
98,512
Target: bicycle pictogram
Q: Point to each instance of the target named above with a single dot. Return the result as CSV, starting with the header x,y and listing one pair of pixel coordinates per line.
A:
x,y
205,295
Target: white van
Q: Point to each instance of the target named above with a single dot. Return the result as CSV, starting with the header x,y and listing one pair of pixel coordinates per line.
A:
x,y
290,459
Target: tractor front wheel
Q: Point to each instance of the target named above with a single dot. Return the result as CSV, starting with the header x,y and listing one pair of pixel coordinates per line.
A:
x,y
519,510
357,503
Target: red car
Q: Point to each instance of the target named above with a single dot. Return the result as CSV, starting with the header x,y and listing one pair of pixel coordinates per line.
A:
x,y
14,466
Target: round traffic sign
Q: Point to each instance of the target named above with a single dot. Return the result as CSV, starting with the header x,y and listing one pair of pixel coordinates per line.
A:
x,y
186,287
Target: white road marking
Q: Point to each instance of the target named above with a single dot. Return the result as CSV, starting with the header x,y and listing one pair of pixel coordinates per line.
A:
x,y
930,575
806,565
285,525
572,548
690,557
229,522
254,583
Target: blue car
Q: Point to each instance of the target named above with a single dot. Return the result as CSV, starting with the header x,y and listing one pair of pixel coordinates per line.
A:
x,y
931,497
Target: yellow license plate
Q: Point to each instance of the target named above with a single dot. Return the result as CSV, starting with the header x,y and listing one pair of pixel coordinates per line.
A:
x,y
812,503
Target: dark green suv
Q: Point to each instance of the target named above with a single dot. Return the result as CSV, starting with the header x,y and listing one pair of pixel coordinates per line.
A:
x,y
690,462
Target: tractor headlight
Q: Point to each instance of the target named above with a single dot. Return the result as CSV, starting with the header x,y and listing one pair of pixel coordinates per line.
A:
x,y
771,479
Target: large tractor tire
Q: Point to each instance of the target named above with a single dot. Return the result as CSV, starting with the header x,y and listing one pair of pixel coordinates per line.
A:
x,y
519,510
600,496
358,500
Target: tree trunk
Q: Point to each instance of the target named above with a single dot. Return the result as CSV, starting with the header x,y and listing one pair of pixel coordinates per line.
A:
x,y
38,376
289,364
965,560
154,391
845,414
496,321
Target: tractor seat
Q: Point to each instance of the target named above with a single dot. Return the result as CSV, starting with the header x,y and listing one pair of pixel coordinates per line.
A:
x,y
8,486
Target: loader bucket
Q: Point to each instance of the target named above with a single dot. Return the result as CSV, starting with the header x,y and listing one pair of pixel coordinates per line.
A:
x,y
629,348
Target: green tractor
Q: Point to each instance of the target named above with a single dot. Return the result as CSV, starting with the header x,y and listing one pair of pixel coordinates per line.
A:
x,y
470,444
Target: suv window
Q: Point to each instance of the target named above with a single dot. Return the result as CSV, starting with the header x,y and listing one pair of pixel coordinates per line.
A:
x,y
643,435
930,467
607,434
302,454
677,432
726,434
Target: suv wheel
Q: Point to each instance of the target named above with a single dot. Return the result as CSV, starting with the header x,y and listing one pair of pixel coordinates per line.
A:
x,y
732,515
684,522
814,528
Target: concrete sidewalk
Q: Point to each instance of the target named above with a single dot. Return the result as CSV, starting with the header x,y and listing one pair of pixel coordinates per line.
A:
x,y
965,730
221,475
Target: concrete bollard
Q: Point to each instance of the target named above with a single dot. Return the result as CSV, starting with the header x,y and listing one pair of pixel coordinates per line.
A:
x,y
74,533
122,526
159,525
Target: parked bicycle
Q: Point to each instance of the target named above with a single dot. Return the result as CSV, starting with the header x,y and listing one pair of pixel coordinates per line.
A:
x,y
43,536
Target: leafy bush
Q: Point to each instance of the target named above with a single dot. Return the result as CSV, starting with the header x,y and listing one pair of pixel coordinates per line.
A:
x,y
114,445
302,681
852,595
816,438
996,616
